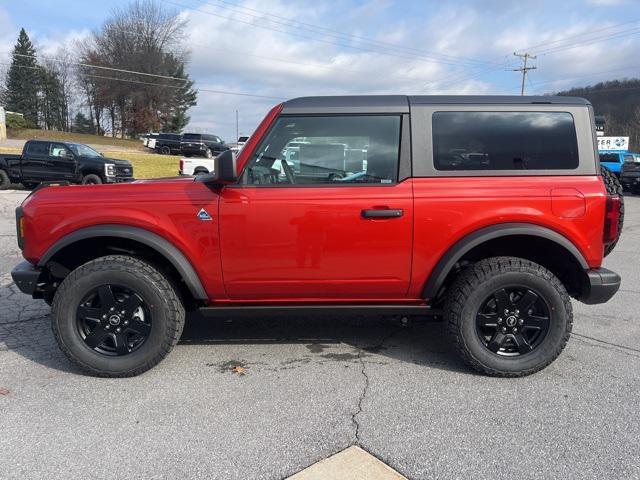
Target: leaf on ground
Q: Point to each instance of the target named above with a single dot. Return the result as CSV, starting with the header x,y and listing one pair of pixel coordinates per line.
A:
x,y
239,370
4,391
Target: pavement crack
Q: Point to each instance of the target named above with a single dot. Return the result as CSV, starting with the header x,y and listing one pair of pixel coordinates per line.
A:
x,y
362,351
604,342
363,394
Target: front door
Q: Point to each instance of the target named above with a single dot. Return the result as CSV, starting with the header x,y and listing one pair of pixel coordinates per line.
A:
x,y
334,224
61,162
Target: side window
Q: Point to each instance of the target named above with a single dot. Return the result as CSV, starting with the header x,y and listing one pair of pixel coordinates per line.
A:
x,y
504,141
38,148
58,150
338,150
628,159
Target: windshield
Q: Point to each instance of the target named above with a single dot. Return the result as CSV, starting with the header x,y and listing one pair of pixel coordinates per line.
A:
x,y
83,151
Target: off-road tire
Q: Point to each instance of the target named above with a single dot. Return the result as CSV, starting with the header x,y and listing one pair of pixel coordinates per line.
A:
x,y
165,150
91,179
167,315
5,182
614,187
475,284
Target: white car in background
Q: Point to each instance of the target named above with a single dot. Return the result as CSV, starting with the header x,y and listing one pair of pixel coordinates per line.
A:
x,y
239,144
195,165
149,140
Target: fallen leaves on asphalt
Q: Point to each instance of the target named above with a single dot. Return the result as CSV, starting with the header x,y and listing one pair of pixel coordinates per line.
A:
x,y
239,370
4,391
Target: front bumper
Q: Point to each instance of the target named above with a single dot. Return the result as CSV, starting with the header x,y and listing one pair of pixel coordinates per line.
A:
x,y
601,285
119,179
25,275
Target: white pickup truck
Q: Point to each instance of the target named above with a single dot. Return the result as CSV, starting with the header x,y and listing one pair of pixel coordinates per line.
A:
x,y
195,165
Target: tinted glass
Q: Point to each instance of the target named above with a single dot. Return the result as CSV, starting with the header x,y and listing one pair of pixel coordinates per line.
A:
x,y
330,149
610,157
38,148
195,137
629,158
504,141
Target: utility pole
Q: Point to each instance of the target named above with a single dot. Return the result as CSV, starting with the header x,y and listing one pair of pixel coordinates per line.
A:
x,y
524,69
237,131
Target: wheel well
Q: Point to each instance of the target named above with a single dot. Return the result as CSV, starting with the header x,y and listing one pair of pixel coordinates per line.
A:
x,y
543,251
82,251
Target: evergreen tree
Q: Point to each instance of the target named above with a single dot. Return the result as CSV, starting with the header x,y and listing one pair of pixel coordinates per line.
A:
x,y
82,124
23,80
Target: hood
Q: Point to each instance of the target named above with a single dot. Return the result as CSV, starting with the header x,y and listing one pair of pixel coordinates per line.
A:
x,y
124,163
180,179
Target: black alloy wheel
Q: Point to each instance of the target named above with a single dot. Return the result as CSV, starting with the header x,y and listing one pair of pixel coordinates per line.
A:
x,y
513,321
113,320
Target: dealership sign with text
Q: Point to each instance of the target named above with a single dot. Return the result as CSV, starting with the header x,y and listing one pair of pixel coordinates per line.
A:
x,y
613,143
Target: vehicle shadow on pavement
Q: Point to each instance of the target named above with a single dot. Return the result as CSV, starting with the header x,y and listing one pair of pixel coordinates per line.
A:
x,y
336,338
344,338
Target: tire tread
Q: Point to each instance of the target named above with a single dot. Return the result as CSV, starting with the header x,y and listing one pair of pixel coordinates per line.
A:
x,y
175,310
475,275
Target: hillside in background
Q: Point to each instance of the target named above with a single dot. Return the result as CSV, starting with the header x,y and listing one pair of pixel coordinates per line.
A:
x,y
619,102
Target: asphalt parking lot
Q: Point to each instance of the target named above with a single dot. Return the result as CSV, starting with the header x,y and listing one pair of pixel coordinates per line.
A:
x,y
313,387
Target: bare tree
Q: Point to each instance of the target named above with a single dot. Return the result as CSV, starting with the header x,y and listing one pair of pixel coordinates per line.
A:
x,y
142,37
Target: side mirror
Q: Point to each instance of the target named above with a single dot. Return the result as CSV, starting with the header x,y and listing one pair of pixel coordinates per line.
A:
x,y
224,170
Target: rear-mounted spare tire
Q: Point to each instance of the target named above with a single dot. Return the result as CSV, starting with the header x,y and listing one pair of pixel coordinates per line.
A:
x,y
614,187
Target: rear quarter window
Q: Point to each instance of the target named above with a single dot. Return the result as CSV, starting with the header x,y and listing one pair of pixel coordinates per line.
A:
x,y
471,140
38,148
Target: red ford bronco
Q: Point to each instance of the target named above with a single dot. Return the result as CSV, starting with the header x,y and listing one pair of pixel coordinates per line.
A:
x,y
491,212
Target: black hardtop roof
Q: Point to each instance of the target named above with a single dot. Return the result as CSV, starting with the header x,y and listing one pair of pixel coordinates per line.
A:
x,y
400,103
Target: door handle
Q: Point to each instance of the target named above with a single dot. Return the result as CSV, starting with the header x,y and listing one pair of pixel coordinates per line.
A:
x,y
382,213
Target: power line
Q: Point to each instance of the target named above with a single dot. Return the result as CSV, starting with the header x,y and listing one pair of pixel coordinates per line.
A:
x,y
406,56
524,69
590,32
140,82
590,41
292,22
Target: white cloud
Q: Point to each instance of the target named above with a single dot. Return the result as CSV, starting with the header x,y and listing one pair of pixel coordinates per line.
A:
x,y
606,2
231,51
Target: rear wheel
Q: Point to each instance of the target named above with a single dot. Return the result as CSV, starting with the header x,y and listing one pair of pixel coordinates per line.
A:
x,y
165,150
91,179
614,187
4,180
508,316
116,316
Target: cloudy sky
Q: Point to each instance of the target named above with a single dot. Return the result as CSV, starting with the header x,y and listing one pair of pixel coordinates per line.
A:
x,y
284,49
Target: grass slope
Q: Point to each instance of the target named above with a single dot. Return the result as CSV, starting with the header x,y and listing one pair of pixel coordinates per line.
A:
x,y
29,134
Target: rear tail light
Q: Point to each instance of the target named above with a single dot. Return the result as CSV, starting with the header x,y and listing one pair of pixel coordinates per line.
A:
x,y
611,218
181,165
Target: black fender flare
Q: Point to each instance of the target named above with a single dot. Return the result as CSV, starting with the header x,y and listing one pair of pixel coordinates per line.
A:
x,y
150,239
464,245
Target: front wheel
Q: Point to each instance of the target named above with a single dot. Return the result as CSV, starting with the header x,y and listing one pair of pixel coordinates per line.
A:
x,y
91,179
116,316
508,316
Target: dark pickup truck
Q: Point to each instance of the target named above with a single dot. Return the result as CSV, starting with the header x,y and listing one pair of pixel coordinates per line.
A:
x,y
44,161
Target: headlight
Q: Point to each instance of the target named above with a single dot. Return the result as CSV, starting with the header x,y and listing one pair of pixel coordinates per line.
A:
x,y
110,170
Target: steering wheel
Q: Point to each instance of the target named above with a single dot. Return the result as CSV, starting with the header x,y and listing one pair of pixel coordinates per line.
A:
x,y
288,172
